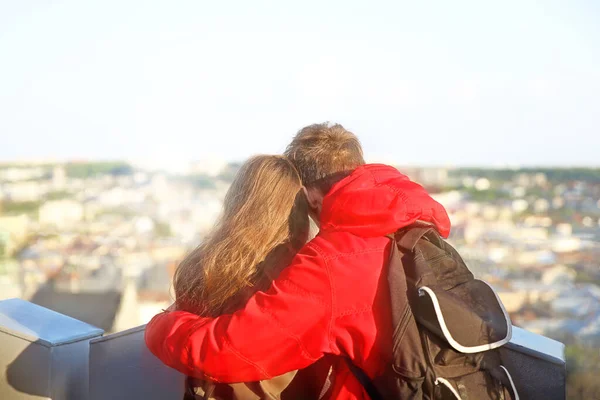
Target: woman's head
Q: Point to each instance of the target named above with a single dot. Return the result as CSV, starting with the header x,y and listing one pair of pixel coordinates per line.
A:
x,y
264,214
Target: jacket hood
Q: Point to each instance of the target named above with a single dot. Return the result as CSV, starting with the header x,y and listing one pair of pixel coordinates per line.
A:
x,y
376,200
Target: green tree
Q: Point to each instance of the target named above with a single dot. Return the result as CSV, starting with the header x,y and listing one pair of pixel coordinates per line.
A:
x,y
92,169
202,181
57,195
162,229
583,370
19,207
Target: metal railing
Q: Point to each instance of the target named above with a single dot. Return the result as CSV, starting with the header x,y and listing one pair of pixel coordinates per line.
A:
x,y
49,355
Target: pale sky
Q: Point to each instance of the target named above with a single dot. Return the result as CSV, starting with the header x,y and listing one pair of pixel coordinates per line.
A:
x,y
420,82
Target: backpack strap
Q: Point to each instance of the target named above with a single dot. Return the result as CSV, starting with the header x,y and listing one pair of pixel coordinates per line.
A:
x,y
364,380
403,241
189,393
408,237
327,384
207,389
406,241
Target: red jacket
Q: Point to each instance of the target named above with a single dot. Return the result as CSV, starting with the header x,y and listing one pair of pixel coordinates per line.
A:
x,y
332,299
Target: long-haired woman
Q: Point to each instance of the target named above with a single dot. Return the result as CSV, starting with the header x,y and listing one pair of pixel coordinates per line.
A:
x,y
263,225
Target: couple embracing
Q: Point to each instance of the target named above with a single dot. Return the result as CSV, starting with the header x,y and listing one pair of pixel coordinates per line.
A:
x,y
266,309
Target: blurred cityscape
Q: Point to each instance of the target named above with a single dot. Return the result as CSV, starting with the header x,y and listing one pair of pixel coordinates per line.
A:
x,y
100,241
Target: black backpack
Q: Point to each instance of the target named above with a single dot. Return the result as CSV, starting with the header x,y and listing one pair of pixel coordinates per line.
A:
x,y
447,326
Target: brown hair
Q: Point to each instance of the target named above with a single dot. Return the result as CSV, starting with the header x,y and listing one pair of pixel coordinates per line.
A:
x,y
324,154
264,223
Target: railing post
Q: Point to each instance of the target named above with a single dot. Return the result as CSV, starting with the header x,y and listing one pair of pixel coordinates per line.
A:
x,y
539,365
122,368
45,354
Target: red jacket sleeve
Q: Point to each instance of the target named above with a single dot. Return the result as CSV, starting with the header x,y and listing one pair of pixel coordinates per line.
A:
x,y
283,329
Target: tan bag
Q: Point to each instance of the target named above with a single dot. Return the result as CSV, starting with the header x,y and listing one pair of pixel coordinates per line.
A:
x,y
312,382
207,390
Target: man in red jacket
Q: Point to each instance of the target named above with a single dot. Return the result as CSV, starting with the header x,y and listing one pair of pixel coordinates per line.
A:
x,y
333,298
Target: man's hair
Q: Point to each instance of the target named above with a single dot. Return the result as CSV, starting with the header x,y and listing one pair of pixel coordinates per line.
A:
x,y
324,154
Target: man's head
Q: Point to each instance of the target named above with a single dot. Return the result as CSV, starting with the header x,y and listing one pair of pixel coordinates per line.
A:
x,y
323,154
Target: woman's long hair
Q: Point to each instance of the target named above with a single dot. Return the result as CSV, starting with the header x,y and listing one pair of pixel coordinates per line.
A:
x,y
263,224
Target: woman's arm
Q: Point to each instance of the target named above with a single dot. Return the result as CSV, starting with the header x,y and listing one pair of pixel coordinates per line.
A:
x,y
283,329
